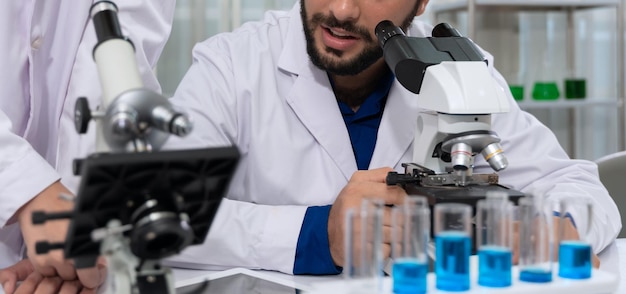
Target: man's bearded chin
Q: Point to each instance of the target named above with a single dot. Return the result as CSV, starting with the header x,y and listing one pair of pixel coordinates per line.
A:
x,y
333,64
349,67
370,55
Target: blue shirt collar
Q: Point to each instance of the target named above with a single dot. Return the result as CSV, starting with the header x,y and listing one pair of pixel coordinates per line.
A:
x,y
373,104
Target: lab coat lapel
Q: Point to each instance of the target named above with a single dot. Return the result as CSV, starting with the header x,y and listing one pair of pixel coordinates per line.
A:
x,y
312,99
397,127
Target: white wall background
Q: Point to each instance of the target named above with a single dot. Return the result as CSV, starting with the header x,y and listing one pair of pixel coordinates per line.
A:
x,y
529,46
196,20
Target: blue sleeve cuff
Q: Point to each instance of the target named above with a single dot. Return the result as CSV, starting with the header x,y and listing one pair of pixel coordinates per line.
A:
x,y
567,215
313,250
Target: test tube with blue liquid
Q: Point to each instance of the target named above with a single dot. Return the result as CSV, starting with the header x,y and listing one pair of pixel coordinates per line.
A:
x,y
574,247
494,238
536,241
410,236
453,246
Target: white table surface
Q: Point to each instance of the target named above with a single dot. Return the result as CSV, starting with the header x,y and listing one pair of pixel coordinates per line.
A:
x,y
613,260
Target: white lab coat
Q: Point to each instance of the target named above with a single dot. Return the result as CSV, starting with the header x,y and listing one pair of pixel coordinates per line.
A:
x,y
45,64
256,88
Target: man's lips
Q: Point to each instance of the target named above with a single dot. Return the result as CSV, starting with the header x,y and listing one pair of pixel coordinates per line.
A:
x,y
338,39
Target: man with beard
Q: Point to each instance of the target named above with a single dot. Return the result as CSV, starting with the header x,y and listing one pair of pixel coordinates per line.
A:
x,y
320,121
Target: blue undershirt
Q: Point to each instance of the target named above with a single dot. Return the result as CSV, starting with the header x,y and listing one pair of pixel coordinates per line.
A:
x,y
313,251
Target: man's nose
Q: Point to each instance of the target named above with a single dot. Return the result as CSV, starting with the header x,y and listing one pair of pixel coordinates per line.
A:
x,y
345,10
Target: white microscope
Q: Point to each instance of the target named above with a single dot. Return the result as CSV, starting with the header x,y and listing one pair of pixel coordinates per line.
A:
x,y
457,96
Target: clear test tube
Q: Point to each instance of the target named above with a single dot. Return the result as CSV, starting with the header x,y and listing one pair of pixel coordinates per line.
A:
x,y
574,247
536,241
494,238
363,247
453,246
410,236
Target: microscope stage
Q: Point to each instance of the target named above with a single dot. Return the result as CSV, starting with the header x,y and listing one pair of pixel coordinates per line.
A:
x,y
457,194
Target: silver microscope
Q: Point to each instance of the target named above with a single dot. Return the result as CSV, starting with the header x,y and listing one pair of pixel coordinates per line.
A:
x,y
457,96
137,205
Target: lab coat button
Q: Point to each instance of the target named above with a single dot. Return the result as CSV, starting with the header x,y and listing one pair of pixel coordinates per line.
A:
x,y
36,43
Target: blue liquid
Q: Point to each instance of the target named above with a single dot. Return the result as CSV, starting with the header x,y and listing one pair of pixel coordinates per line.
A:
x,y
574,260
494,266
452,265
409,276
535,275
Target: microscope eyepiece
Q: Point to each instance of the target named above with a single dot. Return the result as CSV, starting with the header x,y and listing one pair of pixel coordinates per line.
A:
x,y
104,15
443,30
386,30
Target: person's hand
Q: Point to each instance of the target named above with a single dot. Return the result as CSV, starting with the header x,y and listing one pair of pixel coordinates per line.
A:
x,y
53,264
363,184
570,232
34,282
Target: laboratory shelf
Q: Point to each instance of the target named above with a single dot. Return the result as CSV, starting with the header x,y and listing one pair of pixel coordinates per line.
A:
x,y
457,5
568,104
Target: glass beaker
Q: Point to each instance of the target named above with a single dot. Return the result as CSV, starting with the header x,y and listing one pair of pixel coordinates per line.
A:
x,y
546,90
409,250
516,85
494,238
453,246
548,62
575,252
575,82
575,88
363,247
536,241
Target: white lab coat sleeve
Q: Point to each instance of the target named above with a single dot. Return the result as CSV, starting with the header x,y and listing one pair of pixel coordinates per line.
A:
x,y
243,234
11,245
249,235
23,172
539,166
147,24
23,175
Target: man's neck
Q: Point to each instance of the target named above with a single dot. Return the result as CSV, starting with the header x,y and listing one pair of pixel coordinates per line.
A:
x,y
353,90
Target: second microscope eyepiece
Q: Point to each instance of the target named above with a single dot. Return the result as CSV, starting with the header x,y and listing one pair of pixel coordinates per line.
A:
x,y
443,30
386,30
106,23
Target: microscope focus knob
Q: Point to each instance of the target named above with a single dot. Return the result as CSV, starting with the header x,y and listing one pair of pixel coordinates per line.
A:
x,y
394,178
82,115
